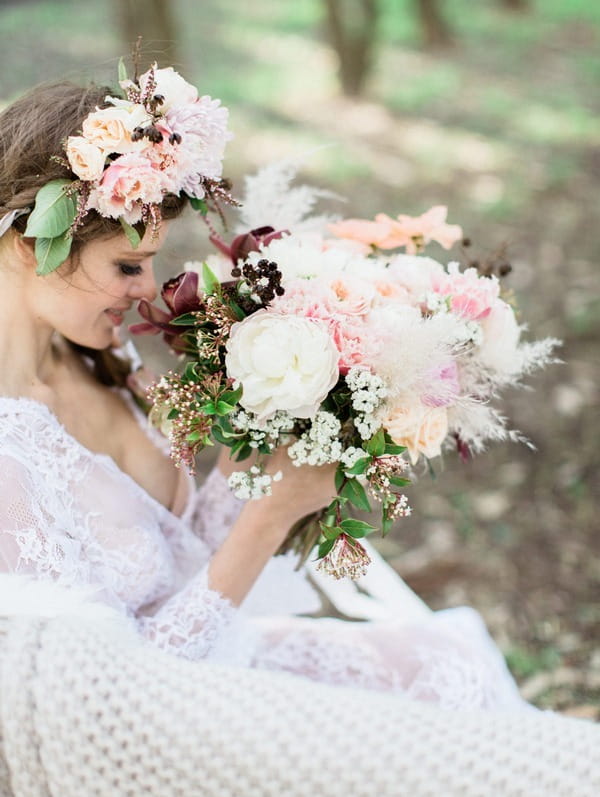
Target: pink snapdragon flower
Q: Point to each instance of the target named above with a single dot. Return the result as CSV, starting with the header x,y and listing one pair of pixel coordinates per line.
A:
x,y
471,295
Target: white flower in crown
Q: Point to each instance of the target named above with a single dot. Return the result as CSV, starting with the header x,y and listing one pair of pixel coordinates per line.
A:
x,y
169,85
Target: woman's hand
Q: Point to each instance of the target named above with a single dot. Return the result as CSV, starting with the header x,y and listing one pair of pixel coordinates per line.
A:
x,y
300,491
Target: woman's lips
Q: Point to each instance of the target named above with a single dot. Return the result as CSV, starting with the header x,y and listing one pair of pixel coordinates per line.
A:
x,y
116,316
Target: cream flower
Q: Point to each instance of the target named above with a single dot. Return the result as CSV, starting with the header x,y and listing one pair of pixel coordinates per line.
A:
x,y
86,159
170,84
421,429
501,333
110,129
283,363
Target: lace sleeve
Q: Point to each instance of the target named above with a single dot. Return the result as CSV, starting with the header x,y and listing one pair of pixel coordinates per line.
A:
x,y
199,623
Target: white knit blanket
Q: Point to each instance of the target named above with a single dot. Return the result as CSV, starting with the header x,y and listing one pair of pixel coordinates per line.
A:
x,y
90,710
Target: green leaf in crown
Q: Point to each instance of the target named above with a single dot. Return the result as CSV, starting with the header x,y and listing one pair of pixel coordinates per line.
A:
x,y
51,253
54,211
49,223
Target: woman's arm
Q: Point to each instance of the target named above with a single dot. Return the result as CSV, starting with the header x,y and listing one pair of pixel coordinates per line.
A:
x,y
263,525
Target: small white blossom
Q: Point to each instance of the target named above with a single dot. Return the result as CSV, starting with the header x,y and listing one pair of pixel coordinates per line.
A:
x,y
251,484
366,426
319,445
351,456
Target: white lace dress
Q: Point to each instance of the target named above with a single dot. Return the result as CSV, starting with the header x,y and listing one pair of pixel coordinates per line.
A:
x,y
73,516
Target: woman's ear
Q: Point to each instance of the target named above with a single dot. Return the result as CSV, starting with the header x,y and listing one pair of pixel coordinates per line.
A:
x,y
24,249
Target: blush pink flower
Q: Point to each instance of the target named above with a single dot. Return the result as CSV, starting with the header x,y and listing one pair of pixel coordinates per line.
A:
x,y
444,386
367,233
127,184
353,296
471,295
413,232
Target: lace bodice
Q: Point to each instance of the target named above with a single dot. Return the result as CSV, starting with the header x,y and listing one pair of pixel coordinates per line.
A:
x,y
73,516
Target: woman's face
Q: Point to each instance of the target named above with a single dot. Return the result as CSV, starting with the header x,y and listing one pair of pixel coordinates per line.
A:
x,y
107,278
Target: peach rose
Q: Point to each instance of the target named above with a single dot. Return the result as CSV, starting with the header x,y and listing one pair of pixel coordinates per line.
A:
x,y
85,159
421,429
110,129
352,296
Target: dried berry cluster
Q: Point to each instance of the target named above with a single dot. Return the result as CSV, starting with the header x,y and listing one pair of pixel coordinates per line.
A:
x,y
263,281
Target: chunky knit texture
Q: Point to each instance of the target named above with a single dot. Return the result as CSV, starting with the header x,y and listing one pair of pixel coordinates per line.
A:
x,y
91,710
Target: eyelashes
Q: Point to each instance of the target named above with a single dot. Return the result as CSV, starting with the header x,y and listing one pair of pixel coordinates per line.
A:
x,y
129,269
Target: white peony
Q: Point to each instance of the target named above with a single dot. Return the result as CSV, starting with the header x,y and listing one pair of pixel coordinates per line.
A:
x,y
172,86
283,363
501,333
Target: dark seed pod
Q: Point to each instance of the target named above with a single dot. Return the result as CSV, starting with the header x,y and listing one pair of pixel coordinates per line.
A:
x,y
159,99
137,134
174,138
504,269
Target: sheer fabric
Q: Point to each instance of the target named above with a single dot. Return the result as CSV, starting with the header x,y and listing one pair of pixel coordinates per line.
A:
x,y
73,516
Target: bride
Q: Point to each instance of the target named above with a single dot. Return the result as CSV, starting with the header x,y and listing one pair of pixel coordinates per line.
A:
x,y
88,495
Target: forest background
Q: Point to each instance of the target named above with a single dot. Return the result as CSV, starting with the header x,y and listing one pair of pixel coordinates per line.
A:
x,y
491,107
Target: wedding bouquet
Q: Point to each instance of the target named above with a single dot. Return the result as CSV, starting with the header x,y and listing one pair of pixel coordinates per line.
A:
x,y
319,334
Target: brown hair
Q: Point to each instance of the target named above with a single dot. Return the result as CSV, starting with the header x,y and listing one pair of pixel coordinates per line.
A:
x,y
33,131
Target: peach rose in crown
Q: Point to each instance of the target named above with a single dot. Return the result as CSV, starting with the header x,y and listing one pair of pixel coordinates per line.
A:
x,y
129,182
85,159
110,129
421,429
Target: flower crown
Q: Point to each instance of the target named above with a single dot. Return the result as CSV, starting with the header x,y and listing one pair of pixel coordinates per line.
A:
x,y
160,138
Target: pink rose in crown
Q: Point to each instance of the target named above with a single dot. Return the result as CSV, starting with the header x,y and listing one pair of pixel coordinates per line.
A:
x,y
128,182
471,296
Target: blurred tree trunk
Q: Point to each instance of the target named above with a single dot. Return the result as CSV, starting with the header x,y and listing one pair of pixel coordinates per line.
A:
x,y
515,5
436,32
352,32
154,21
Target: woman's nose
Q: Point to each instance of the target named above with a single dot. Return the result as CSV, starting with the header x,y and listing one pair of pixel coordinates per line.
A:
x,y
144,286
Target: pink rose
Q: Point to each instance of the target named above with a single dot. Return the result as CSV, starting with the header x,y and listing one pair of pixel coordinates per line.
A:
x,y
353,296
471,296
128,183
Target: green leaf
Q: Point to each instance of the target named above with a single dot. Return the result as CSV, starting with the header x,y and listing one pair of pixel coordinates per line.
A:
x,y
356,528
339,478
386,525
224,408
122,70
392,448
199,204
54,211
189,373
356,494
209,408
324,548
232,396
193,437
185,320
398,481
359,466
173,413
330,532
211,283
51,253
132,234
239,313
376,445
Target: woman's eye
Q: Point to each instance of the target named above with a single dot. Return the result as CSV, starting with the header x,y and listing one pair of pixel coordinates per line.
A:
x,y
130,270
